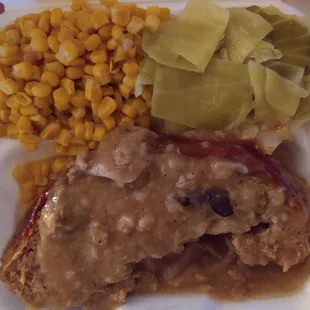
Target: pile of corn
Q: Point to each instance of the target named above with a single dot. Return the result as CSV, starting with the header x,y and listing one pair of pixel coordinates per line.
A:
x,y
34,177
70,76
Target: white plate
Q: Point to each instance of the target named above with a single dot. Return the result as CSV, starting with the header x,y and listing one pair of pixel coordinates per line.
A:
x,y
10,154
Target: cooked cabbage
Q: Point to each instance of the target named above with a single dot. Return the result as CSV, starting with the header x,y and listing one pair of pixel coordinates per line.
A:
x,y
264,51
189,41
219,98
244,32
276,98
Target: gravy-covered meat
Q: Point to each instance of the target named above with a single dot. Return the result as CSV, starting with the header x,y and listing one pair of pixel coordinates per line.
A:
x,y
141,197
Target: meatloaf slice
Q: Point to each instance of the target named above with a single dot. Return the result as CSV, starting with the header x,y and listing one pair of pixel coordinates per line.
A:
x,y
140,196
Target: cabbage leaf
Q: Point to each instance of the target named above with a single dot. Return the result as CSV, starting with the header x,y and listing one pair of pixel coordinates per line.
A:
x,y
244,32
219,98
276,98
264,51
189,41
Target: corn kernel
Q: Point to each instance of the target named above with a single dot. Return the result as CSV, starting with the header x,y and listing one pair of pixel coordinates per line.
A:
x,y
129,110
4,115
45,168
56,17
36,75
112,44
92,42
20,174
153,10
118,77
79,62
29,186
24,125
99,56
41,180
64,137
140,106
49,57
74,73
89,130
93,90
61,95
102,73
99,18
53,44
120,14
99,134
60,165
152,22
41,90
39,43
107,107
105,32
51,131
13,102
92,145
61,150
12,37
107,91
164,13
79,99
83,36
136,25
75,150
78,113
9,61
65,34
23,70
119,54
54,32
3,99
44,21
28,138
56,67
50,78
117,32
68,85
109,123
79,131
130,81
14,115
124,90
2,130
9,86
75,141
12,131
130,68
28,196
126,122
38,120
29,110
88,69
119,100
147,93
140,13
67,52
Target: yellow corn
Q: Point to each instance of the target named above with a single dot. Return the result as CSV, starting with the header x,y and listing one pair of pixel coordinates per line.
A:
x,y
107,91
74,73
41,180
50,78
147,93
130,81
71,122
93,90
67,52
92,145
99,18
65,34
83,36
14,115
42,103
140,106
38,120
56,17
9,61
12,131
126,122
88,69
4,115
89,130
13,102
120,14
60,95
119,100
153,10
98,57
79,62
124,90
23,99
129,110
44,21
152,22
64,137
118,77
51,131
75,150
49,57
41,90
24,125
107,107
68,85
57,68
29,110
79,99
164,13
9,50
112,44
130,68
109,123
92,42
60,165
135,25
36,75
29,186
117,32
28,197
119,54
9,86
53,43
75,141
102,73
79,131
45,168
78,113
46,112
39,43
99,134
70,25
55,31
3,99
23,70
105,32
12,37
2,130
140,13
20,174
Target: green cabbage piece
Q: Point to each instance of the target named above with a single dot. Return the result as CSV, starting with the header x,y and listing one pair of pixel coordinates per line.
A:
x,y
290,35
189,41
276,98
303,112
219,98
264,51
147,71
244,32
